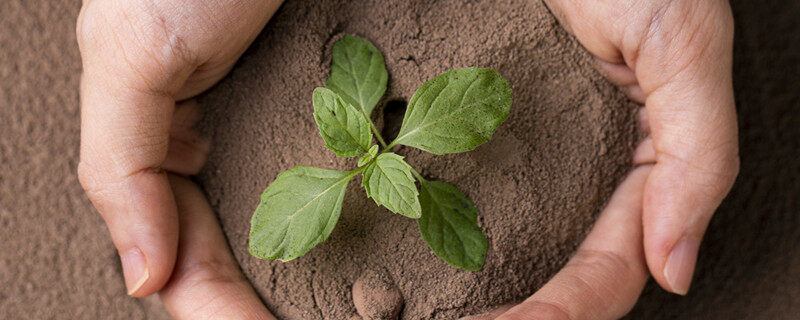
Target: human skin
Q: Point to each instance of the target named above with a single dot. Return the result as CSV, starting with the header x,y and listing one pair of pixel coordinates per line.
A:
x,y
143,60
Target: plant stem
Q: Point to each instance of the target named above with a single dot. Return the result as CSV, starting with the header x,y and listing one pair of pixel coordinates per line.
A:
x,y
419,176
376,133
387,148
373,128
357,170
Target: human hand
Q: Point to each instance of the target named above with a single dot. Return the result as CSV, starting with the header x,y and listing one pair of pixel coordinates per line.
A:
x,y
675,57
139,58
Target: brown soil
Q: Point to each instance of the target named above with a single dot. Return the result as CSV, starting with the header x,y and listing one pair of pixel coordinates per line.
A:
x,y
57,260
537,184
375,295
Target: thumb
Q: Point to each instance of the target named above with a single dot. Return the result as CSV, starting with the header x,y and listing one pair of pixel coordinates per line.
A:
x,y
685,70
127,107
604,278
138,57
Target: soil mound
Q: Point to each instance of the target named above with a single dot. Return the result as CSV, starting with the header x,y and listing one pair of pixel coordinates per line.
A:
x,y
538,184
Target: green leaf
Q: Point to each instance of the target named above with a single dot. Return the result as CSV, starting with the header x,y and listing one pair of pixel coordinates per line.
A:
x,y
297,212
344,128
449,224
368,156
358,73
388,180
456,111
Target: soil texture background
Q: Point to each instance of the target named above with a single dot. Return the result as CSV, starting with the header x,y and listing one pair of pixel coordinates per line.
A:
x,y
57,261
56,257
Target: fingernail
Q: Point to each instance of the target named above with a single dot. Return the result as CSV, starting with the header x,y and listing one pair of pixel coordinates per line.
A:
x,y
680,265
134,268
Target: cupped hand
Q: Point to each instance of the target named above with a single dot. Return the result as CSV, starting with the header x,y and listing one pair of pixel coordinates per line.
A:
x,y
139,58
675,57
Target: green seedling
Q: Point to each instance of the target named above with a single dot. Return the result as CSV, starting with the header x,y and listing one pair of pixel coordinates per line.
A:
x,y
453,112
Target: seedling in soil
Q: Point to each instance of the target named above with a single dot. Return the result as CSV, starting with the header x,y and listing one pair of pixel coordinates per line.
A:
x,y
453,112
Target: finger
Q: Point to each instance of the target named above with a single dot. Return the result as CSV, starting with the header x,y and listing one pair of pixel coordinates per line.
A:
x,y
207,283
618,73
644,153
188,149
605,277
229,28
642,122
685,69
491,314
122,148
635,93
128,81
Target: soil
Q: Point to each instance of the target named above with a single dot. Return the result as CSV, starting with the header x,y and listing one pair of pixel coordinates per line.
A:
x,y
375,295
538,184
56,257
57,260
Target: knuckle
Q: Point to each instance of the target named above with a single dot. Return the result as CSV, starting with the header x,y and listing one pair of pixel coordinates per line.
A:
x,y
87,176
210,271
209,282
712,172
139,36
97,189
85,27
598,272
591,278
533,309
735,166
725,165
725,18
159,36
725,175
720,163
683,33
599,276
600,262
101,185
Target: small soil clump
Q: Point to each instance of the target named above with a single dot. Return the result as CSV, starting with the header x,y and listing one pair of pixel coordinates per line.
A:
x,y
376,297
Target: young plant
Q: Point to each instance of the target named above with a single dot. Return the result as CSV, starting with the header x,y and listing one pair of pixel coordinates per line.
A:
x,y
454,112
